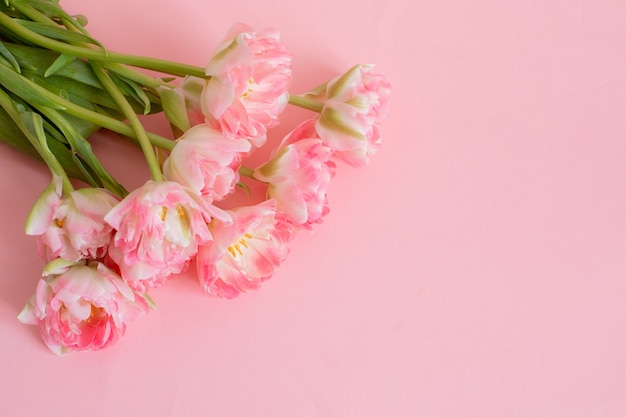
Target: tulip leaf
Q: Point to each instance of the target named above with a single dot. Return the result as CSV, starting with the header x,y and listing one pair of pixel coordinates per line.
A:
x,y
3,61
54,133
38,60
132,89
33,122
14,135
90,179
24,88
53,10
82,148
78,93
48,8
59,64
6,54
76,78
55,32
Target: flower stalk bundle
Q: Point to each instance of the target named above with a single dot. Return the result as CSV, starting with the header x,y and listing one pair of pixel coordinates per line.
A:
x,y
104,247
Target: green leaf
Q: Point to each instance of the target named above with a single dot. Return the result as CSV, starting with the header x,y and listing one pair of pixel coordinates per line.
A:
x,y
9,57
88,162
24,88
78,93
37,60
76,78
13,135
91,179
53,133
82,147
56,32
4,62
132,89
59,64
34,123
53,10
29,133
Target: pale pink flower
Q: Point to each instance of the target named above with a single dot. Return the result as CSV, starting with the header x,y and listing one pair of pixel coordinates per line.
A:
x,y
245,253
159,227
299,175
81,307
206,162
355,104
71,227
250,78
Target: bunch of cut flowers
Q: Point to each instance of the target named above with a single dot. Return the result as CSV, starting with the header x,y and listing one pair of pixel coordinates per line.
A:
x,y
105,247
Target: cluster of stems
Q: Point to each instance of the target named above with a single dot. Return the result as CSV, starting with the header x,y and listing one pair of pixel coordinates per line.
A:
x,y
58,85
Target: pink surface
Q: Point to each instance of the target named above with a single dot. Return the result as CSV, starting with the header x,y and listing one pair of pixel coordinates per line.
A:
x,y
476,268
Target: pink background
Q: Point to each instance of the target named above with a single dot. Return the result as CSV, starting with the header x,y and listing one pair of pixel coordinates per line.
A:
x,y
475,268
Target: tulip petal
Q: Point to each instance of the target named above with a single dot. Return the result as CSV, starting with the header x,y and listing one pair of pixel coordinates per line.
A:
x,y
40,215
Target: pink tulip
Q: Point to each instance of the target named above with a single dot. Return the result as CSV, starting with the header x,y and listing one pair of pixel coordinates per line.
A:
x,y
299,175
245,253
206,162
159,227
81,307
71,227
248,89
356,102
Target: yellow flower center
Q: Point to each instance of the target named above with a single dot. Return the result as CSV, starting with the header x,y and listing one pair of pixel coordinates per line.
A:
x,y
251,84
236,248
180,212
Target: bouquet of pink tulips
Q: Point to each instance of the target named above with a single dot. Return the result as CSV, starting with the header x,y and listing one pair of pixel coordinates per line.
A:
x,y
104,248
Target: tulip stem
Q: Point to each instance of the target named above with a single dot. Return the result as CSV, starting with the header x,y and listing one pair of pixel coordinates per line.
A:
x,y
160,65
246,172
133,120
136,76
306,103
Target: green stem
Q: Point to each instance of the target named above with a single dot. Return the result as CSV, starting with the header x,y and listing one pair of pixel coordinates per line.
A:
x,y
135,123
306,103
119,69
160,65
